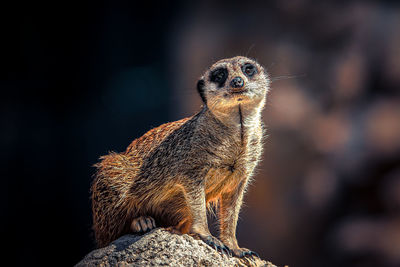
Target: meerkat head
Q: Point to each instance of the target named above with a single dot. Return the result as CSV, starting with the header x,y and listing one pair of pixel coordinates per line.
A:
x,y
233,81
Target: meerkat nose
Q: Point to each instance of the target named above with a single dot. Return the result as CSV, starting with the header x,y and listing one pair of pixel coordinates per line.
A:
x,y
237,82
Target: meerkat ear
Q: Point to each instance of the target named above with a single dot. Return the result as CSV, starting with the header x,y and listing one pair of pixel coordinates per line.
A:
x,y
200,89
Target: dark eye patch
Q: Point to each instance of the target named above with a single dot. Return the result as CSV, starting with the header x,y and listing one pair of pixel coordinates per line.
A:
x,y
249,69
219,76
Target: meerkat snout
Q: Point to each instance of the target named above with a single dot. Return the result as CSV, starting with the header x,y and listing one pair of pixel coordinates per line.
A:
x,y
237,82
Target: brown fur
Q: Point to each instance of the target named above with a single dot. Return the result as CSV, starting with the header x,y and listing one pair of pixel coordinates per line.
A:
x,y
173,172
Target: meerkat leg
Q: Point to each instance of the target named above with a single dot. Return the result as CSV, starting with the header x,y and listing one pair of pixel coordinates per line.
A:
x,y
143,224
230,204
199,227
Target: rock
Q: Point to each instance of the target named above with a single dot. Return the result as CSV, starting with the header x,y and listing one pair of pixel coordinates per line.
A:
x,y
163,248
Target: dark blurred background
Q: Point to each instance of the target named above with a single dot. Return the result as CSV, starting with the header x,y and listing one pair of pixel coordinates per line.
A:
x,y
81,79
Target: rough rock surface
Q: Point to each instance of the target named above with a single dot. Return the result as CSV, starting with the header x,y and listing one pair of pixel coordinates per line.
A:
x,y
163,248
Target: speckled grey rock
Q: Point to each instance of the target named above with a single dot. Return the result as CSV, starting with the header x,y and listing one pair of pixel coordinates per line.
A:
x,y
163,248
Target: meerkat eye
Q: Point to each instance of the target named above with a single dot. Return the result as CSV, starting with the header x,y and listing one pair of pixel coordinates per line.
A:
x,y
249,69
219,76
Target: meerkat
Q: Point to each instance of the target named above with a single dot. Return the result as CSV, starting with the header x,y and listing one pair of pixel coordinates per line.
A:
x,y
173,173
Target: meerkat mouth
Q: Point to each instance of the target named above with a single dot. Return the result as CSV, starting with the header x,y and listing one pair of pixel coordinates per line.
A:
x,y
241,92
238,95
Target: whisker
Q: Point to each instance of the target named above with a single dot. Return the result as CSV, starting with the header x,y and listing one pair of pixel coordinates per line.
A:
x,y
270,66
250,48
285,77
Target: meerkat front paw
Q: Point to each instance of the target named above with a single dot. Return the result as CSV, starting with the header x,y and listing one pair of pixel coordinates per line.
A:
x,y
244,252
216,244
143,224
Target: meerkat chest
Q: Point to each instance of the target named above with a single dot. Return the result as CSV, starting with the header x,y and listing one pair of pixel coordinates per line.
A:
x,y
237,166
237,154
249,150
234,161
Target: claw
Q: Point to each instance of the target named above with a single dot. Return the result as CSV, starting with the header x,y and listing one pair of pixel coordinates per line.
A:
x,y
223,252
254,254
249,254
245,254
217,245
229,251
